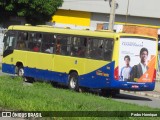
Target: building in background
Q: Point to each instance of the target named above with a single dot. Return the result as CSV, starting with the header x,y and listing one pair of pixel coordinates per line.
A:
x,y
94,14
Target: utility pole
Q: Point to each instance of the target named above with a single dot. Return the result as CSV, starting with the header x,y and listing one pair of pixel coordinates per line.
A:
x,y
127,12
112,15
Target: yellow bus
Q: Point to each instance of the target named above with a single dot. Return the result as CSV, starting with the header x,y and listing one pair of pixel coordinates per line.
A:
x,y
101,60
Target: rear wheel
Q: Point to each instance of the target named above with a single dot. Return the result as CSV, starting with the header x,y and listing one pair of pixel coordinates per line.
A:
x,y
73,81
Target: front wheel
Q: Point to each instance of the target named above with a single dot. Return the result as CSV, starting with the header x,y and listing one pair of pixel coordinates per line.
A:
x,y
73,81
20,71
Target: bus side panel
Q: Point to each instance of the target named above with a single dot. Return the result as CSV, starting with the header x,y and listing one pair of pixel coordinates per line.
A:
x,y
52,67
65,64
40,60
20,56
46,75
10,61
38,65
100,77
99,73
8,68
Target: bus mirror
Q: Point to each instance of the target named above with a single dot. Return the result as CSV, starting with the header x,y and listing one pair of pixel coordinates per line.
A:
x,y
4,37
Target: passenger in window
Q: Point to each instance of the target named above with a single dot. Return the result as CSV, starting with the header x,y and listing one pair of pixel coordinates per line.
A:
x,y
107,55
58,47
81,52
20,45
30,45
47,50
74,51
36,48
40,38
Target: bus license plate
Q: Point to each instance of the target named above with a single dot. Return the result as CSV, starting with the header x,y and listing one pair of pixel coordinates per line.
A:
x,y
135,86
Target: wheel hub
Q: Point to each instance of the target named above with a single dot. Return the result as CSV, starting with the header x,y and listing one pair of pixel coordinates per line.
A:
x,y
72,83
21,72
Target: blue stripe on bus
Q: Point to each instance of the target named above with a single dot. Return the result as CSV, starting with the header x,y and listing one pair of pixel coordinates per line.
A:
x,y
7,68
46,75
96,79
100,78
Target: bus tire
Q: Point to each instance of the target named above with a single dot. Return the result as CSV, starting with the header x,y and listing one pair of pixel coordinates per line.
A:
x,y
20,71
73,81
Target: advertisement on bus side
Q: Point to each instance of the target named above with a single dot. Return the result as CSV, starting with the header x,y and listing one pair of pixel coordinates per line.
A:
x,y
137,59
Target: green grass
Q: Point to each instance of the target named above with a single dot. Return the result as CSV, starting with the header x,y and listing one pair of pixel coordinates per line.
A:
x,y
15,95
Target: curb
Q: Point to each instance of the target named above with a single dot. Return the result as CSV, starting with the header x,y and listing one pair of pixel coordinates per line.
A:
x,y
153,94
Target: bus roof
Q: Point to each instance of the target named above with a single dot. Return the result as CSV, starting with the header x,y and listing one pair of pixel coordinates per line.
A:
x,y
101,33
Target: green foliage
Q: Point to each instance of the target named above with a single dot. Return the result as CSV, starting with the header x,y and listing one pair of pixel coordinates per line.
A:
x,y
35,11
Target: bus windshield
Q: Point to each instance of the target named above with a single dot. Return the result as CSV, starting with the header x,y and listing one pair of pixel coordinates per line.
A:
x,y
9,40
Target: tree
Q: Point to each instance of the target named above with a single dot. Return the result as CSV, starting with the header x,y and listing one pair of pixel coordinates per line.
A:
x,y
34,11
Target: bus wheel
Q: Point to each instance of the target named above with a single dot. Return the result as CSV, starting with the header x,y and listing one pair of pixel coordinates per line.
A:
x,y
20,71
73,81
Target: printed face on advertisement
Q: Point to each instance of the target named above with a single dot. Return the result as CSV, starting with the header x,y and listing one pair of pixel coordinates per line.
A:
x,y
127,61
137,59
144,56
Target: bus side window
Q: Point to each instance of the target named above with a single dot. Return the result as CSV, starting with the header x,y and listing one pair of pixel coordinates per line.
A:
x,y
95,48
48,43
108,49
82,47
63,44
74,46
78,46
22,40
30,41
35,40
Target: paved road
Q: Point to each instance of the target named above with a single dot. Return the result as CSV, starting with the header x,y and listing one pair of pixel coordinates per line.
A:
x,y
138,99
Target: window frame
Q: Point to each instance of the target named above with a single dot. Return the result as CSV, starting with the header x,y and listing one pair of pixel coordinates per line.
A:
x,y
68,43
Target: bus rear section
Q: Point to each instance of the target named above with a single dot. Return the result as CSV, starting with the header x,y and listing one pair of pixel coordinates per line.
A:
x,y
136,64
